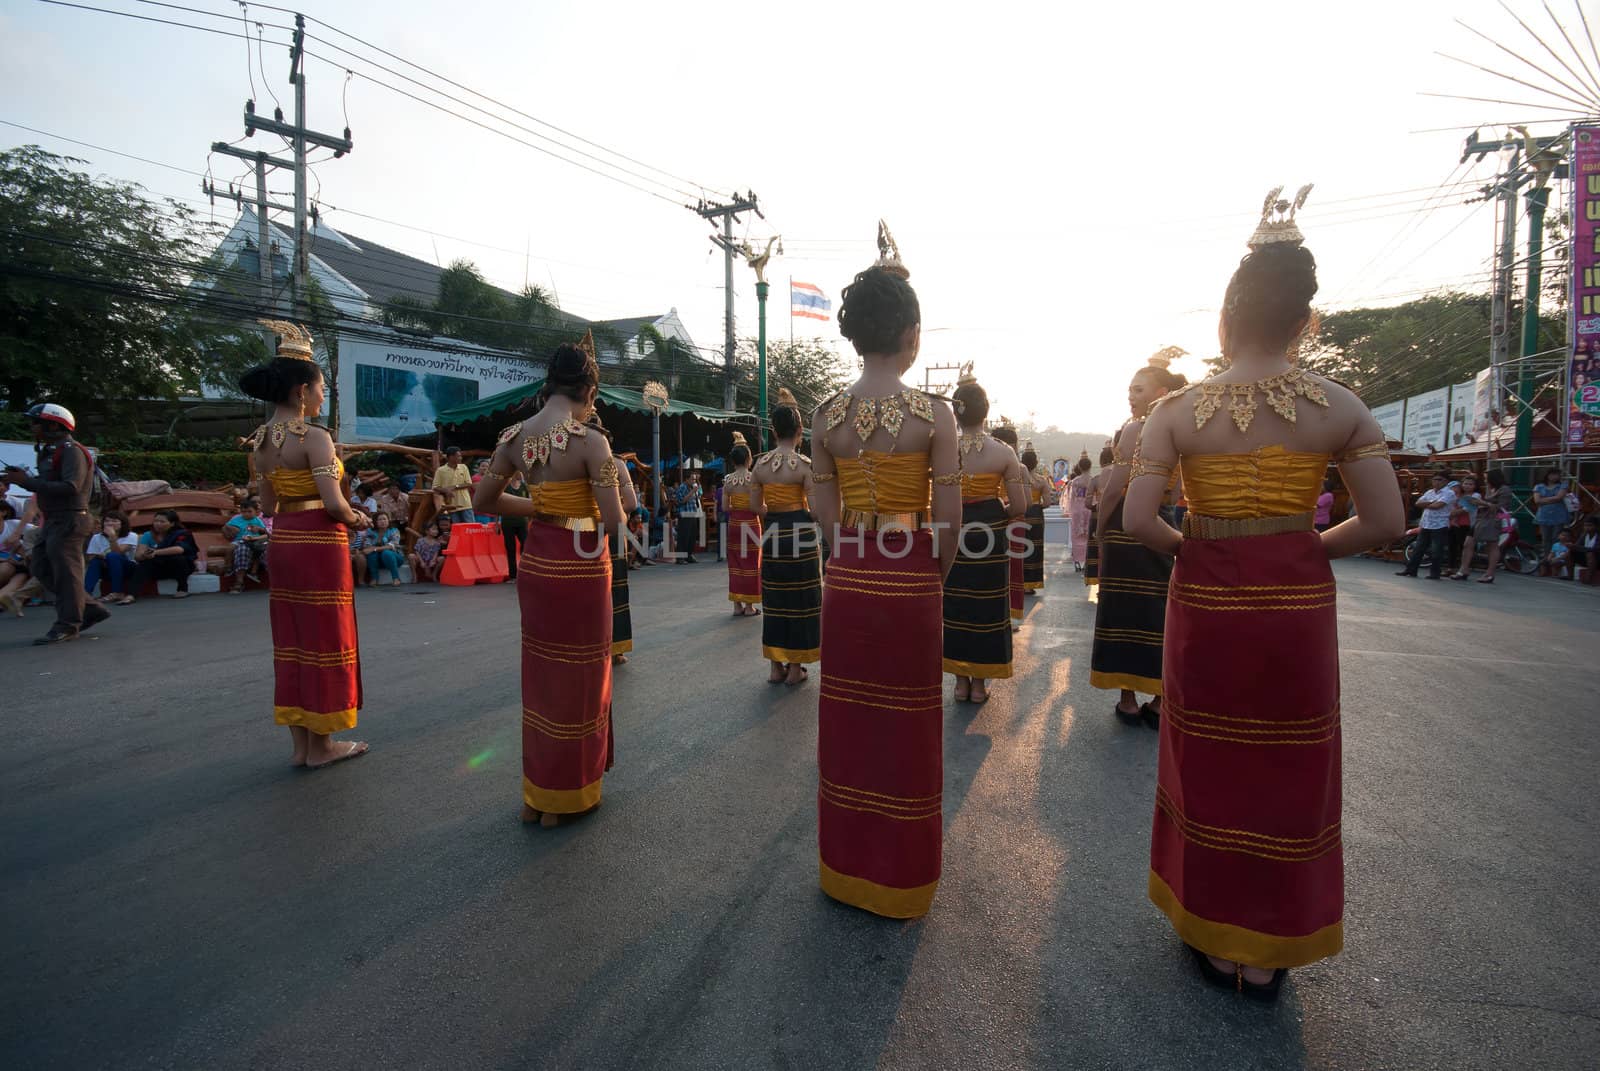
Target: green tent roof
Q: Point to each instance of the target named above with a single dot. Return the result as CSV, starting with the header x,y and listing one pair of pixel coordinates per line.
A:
x,y
620,397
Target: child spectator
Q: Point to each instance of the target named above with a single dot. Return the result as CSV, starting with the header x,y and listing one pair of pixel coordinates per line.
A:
x,y
19,586
110,554
249,535
166,552
364,499
425,554
13,557
1587,551
1559,561
380,544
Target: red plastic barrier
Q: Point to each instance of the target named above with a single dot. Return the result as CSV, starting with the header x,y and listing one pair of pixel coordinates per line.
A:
x,y
476,555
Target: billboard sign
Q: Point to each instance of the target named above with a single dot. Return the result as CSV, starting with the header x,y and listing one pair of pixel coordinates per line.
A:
x,y
1459,424
1583,397
1426,418
1391,418
398,388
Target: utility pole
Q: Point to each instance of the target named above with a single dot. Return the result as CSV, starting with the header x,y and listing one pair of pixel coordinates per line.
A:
x,y
942,385
1538,199
1500,317
261,161
728,213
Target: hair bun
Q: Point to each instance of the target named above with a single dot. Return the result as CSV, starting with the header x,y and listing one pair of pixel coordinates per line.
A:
x,y
262,382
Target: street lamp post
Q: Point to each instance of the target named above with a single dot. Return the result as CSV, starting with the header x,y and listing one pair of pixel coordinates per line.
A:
x,y
761,366
655,395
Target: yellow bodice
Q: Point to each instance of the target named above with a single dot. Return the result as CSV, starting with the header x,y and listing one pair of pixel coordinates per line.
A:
x,y
1035,495
877,482
299,483
739,500
564,498
783,497
1268,482
979,485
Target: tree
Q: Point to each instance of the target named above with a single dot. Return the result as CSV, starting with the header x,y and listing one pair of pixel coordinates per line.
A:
x,y
809,368
469,307
95,300
1386,354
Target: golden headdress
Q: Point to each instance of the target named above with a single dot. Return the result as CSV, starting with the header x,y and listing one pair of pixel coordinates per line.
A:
x,y
738,439
784,398
966,378
1277,219
889,253
294,341
1164,357
586,344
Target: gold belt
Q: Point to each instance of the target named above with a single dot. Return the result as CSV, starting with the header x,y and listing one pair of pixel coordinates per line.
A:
x,y
561,520
869,521
297,505
1198,526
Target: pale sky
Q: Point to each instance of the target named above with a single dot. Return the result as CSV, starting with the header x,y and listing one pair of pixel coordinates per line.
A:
x,y
1071,185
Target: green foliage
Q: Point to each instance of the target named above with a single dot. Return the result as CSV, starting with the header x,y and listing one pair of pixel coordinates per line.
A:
x,y
14,426
93,273
811,370
470,308
165,444
1391,353
179,468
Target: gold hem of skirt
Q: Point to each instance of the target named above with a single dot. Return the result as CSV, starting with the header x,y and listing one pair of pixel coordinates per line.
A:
x,y
1113,682
561,800
320,722
1250,947
884,900
988,671
784,654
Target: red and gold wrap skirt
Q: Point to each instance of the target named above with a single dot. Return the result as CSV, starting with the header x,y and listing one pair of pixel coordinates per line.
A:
x,y
564,587
315,653
880,757
1017,548
1245,858
744,557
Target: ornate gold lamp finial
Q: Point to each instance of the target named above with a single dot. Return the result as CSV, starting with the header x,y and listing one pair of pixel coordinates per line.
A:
x,y
889,252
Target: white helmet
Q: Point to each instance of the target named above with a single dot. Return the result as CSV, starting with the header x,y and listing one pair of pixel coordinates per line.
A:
x,y
58,414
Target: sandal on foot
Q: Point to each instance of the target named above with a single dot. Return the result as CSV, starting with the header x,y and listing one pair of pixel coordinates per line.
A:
x,y
1264,992
1213,974
804,676
354,751
530,816
1486,580
1127,717
1150,715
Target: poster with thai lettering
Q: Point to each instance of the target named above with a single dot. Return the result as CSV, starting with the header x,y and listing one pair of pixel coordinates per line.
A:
x,y
1484,403
1391,417
1426,417
1459,422
1583,405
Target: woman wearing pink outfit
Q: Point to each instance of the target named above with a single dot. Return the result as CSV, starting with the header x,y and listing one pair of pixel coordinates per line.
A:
x,y
1078,511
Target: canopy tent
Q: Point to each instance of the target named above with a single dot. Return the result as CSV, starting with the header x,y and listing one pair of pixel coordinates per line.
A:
x,y
687,430
512,402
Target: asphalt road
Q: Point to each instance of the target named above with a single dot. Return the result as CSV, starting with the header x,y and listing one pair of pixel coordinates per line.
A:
x,y
174,895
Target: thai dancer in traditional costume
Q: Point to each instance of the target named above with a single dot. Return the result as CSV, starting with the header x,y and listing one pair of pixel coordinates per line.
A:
x,y
977,615
1039,489
1078,511
1245,857
563,585
743,535
1016,536
1097,485
315,652
621,613
791,551
877,447
1132,608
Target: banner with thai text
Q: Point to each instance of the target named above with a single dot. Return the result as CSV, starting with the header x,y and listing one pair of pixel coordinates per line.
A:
x,y
1459,425
1583,406
1391,417
1426,417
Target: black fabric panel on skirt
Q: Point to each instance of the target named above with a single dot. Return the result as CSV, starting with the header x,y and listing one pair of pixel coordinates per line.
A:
x,y
1131,613
977,617
791,589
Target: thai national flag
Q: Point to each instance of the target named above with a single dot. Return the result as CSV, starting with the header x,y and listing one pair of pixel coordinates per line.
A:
x,y
806,299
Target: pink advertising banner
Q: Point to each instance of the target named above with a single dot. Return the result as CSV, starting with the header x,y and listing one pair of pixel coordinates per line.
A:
x,y
1583,407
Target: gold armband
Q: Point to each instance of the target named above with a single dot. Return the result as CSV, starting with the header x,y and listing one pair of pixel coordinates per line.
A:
x,y
608,474
1361,453
1141,467
823,477
330,471
499,477
948,479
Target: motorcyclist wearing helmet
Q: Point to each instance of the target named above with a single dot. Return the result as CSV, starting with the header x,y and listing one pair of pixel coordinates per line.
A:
x,y
61,489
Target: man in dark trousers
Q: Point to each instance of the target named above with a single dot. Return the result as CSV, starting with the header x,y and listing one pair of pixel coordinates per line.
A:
x,y
61,489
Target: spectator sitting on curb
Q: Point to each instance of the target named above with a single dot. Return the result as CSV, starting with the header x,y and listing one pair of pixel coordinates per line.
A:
x,y
1558,562
425,554
1587,551
249,535
110,554
166,552
380,544
13,555
22,587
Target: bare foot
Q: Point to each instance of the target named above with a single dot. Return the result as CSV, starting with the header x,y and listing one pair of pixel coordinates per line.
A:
x,y
549,821
963,689
619,659
350,749
529,815
1258,975
777,675
797,675
978,693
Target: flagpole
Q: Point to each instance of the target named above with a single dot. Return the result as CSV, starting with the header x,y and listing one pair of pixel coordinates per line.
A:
x,y
791,312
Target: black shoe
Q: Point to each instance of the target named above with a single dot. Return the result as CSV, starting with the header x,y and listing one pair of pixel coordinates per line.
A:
x,y
93,614
692,560
1405,572
1211,973
56,635
1150,714
1265,992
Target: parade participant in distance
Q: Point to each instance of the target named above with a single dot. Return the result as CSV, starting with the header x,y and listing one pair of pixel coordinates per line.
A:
x,y
621,612
879,448
691,517
791,551
61,491
315,650
1016,536
563,585
743,536
1038,488
1132,609
1078,511
1097,487
994,492
1245,858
